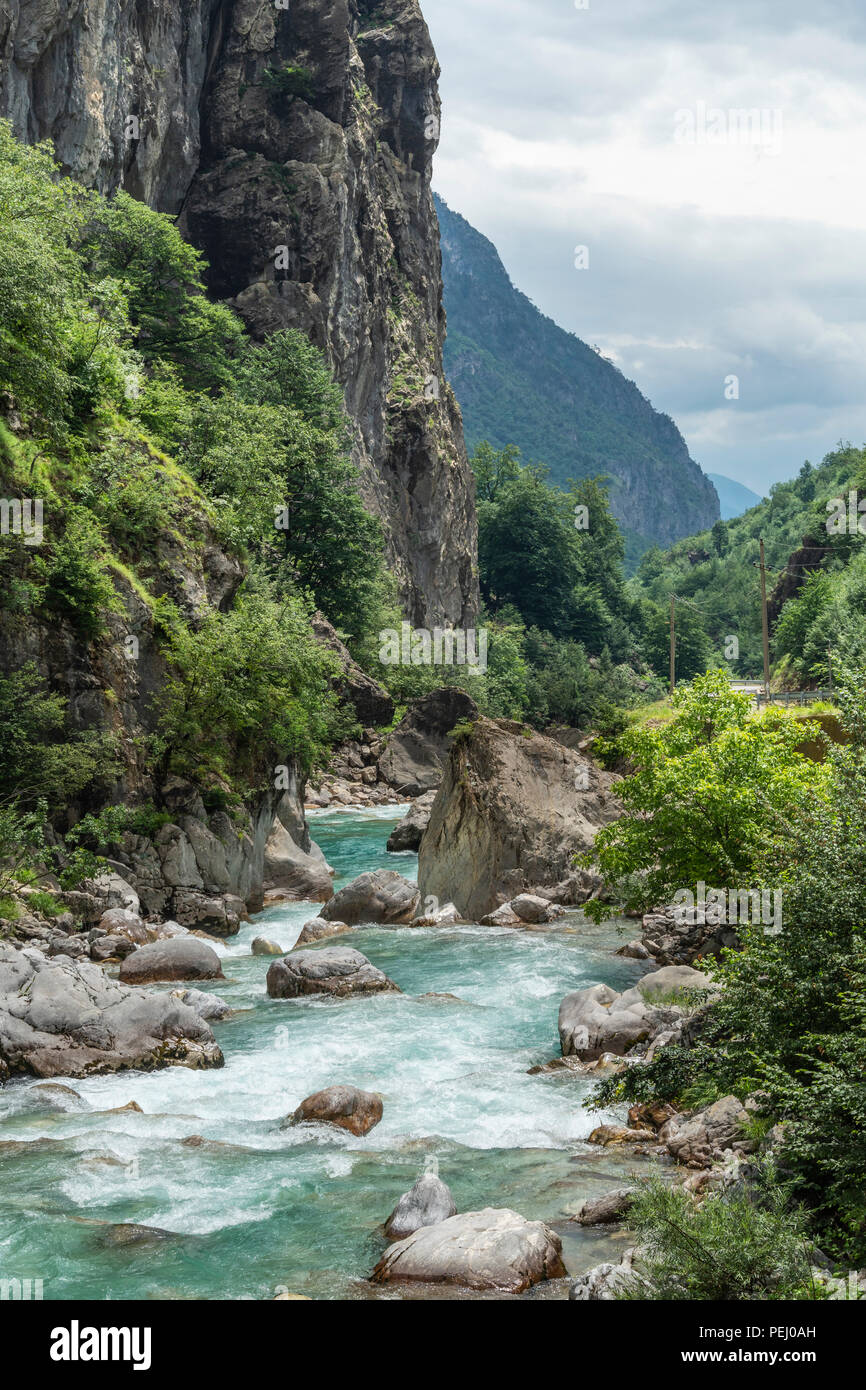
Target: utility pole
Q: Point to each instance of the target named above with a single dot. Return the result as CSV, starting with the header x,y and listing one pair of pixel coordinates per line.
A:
x,y
766,622
673,643
830,664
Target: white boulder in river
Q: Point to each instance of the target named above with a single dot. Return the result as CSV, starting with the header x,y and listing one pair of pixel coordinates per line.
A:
x,y
598,1020
381,896
489,1249
425,1204
338,970
65,1018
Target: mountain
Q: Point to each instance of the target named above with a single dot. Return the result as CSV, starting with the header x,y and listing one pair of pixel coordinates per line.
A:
x,y
296,145
733,497
521,379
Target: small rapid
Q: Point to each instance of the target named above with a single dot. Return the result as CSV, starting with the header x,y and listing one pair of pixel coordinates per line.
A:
x,y
247,1207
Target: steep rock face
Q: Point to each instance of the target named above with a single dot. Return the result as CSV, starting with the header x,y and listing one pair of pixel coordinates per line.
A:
x,y
297,145
513,811
521,379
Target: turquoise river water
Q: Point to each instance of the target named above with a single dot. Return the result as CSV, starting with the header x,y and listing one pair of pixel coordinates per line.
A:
x,y
254,1208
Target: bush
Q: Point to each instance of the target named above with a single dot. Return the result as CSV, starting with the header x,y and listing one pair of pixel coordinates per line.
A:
x,y
284,84
745,1245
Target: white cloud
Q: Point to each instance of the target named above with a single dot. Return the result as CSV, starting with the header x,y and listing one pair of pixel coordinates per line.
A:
x,y
706,258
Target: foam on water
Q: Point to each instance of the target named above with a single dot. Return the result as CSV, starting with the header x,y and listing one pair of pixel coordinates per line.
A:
x,y
252,1204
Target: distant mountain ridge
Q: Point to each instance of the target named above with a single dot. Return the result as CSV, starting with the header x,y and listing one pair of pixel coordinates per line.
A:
x,y
735,498
521,379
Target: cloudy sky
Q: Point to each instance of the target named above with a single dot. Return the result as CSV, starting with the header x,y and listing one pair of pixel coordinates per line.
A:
x,y
718,246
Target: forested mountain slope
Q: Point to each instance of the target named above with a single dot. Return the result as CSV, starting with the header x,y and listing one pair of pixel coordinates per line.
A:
x,y
521,379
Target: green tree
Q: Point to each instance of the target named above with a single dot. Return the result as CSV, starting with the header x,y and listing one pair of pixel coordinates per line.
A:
x,y
248,688
711,790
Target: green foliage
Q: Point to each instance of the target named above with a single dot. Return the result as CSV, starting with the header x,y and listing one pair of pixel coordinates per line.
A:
x,y
73,570
39,758
253,682
717,572
22,840
747,1246
286,83
711,791
161,277
791,1016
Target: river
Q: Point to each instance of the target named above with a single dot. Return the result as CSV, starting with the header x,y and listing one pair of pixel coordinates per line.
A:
x,y
255,1208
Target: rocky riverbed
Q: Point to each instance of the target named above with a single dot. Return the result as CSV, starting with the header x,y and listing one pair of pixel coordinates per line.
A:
x,y
202,1190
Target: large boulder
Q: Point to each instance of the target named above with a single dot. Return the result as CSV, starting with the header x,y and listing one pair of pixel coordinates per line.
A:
x,y
343,1106
489,1249
513,810
410,831
370,701
318,930
382,896
67,1018
217,916
595,1020
605,1211
417,751
674,982
176,958
425,1204
336,970
294,873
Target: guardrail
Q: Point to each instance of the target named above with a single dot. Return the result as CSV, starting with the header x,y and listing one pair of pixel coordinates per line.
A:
x,y
794,697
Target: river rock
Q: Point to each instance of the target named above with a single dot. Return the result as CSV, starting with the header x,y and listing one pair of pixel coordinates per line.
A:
x,y
676,936
262,947
425,1204
532,909
417,751
604,1283
176,958
65,1018
634,950
597,1020
513,810
676,980
119,921
336,970
490,1249
293,873
110,948
504,916
410,831
697,1138
381,896
446,916
318,930
611,1136
605,1211
208,1006
343,1106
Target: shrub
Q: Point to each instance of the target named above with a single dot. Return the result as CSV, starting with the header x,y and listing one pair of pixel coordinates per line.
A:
x,y
745,1245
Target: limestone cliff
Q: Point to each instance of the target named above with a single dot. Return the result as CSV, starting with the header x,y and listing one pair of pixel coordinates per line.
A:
x,y
295,142
512,813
